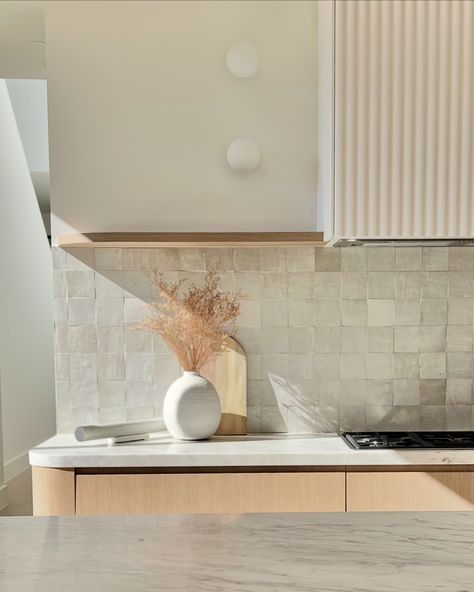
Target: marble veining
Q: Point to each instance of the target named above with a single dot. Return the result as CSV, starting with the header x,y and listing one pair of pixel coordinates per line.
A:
x,y
415,552
234,451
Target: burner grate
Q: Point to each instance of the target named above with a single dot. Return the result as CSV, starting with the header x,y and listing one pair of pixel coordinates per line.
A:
x,y
393,440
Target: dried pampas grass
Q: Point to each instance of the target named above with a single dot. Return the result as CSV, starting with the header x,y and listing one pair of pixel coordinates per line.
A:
x,y
194,325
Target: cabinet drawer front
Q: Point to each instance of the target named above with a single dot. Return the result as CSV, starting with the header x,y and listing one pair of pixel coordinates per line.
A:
x,y
210,492
411,491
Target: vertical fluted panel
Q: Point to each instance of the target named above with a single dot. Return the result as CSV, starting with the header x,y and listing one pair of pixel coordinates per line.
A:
x,y
404,117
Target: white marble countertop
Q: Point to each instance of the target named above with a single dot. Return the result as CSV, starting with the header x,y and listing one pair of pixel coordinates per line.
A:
x,y
232,451
415,552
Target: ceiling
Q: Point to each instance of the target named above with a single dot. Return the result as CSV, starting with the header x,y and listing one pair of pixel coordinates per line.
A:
x,y
22,40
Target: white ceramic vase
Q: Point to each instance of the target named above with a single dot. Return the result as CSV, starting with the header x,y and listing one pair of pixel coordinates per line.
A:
x,y
192,408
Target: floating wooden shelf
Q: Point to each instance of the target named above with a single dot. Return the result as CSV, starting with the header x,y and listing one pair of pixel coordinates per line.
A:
x,y
192,239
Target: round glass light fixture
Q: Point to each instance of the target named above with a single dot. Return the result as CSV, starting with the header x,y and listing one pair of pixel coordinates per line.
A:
x,y
243,155
242,60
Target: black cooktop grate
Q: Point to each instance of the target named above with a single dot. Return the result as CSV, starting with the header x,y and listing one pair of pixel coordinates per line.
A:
x,y
389,440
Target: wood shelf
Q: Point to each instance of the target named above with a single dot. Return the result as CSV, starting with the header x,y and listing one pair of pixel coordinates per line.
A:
x,y
192,239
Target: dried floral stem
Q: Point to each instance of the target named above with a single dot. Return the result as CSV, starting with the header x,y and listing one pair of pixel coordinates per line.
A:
x,y
196,324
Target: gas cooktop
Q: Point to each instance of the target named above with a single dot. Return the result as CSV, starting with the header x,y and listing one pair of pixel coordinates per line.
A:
x,y
384,440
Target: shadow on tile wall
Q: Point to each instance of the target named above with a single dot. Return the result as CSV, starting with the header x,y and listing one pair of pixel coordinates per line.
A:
x,y
356,338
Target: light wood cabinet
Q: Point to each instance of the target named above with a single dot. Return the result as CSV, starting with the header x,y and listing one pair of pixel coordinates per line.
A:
x,y
264,489
210,492
410,491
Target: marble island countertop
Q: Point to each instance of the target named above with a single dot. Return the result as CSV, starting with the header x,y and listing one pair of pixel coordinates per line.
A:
x,y
254,450
415,552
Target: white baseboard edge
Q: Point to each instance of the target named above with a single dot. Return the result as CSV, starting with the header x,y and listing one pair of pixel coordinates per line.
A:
x,y
16,466
3,497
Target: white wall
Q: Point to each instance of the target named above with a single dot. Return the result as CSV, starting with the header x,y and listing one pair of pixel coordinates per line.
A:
x,y
142,109
30,104
26,324
3,488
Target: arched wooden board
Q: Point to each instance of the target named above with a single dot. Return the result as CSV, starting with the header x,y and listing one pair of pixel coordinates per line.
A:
x,y
228,374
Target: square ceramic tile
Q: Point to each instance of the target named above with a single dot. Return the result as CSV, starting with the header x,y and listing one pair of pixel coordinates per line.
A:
x,y
134,258
407,285
354,285
300,258
434,258
138,341
460,365
82,339
406,365
353,365
461,259
219,259
274,313
110,367
432,418
381,259
407,339
273,259
354,313
110,340
327,285
381,284
80,258
354,339
273,285
139,367
83,368
109,284
459,338
380,313
379,365
380,339
353,392
460,311
109,311
328,313
192,259
354,259
300,285
327,340
433,391
406,392
108,258
408,258
80,284
165,259
275,339
327,366
434,312
301,313
81,312
380,392
459,391
435,284
328,259
250,314
458,417
247,259
433,338
407,312
433,365
300,339
461,284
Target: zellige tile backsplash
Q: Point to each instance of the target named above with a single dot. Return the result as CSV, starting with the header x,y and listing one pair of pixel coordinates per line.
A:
x,y
336,339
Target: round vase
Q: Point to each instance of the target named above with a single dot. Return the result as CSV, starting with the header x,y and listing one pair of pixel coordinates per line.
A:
x,y
192,408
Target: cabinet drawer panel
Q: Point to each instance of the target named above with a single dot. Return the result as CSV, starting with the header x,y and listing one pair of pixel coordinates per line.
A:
x,y
210,492
410,491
